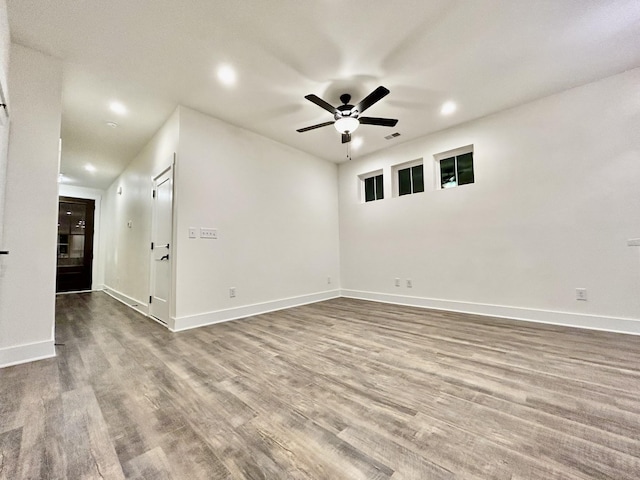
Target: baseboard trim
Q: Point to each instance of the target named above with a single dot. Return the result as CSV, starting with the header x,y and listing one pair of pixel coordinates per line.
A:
x,y
29,352
218,316
566,319
98,289
137,305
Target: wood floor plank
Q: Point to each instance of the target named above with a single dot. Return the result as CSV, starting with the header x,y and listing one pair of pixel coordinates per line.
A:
x,y
342,389
151,465
10,442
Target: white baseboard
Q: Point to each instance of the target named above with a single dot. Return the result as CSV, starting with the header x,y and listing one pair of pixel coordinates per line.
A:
x,y
567,319
98,289
218,316
137,305
26,353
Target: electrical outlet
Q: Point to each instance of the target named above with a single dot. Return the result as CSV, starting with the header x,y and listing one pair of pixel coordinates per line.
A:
x,y
193,232
232,292
409,283
397,283
208,233
581,294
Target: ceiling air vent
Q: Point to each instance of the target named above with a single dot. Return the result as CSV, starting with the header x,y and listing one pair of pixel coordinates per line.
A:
x,y
393,135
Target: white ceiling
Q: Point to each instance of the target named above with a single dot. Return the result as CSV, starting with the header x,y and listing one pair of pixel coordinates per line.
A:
x,y
151,55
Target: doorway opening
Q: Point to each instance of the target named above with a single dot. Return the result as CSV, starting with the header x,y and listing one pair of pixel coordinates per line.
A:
x,y
75,244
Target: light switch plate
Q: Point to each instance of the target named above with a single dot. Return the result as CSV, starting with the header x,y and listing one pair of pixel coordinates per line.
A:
x,y
211,233
193,232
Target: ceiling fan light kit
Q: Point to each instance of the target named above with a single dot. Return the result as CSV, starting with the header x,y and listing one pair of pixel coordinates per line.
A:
x,y
347,117
346,124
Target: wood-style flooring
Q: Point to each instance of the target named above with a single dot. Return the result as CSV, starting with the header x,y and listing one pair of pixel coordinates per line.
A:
x,y
342,389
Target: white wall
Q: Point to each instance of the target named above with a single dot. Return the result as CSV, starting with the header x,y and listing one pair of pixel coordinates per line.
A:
x,y
127,249
4,123
275,209
99,247
556,198
276,212
27,284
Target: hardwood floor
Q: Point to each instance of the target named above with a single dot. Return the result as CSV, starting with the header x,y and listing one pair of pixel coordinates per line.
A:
x,y
342,389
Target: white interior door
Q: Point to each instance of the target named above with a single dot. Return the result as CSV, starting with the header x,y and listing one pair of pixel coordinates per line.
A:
x,y
161,248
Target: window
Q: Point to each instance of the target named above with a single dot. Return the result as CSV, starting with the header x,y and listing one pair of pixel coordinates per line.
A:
x,y
408,177
373,187
456,167
410,180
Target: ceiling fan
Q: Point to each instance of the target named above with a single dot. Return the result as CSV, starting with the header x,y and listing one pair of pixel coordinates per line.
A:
x,y
347,117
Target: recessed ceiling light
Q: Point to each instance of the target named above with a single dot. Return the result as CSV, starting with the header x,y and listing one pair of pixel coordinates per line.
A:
x,y
89,168
356,142
112,124
448,108
117,107
226,75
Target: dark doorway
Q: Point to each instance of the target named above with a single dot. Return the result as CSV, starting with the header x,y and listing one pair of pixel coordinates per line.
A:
x,y
75,244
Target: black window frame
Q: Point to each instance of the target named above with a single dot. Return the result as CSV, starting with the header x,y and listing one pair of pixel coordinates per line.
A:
x,y
415,179
461,177
373,187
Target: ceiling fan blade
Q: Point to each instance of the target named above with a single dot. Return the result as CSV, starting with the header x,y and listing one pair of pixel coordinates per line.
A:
x,y
383,122
372,98
312,127
321,103
346,137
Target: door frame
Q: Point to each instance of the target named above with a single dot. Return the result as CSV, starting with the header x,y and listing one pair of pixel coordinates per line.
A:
x,y
98,265
89,246
172,249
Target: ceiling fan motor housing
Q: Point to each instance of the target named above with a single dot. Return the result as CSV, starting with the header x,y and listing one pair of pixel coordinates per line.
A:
x,y
345,111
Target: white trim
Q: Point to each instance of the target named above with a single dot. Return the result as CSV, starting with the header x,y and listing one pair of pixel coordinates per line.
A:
x,y
568,319
137,305
26,353
99,289
453,153
218,316
97,264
